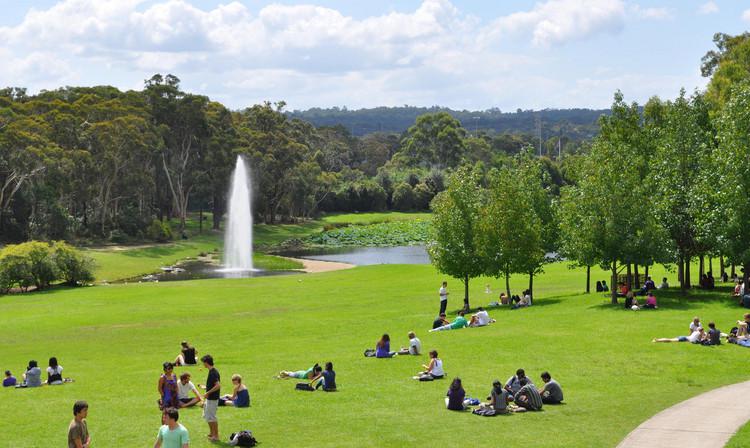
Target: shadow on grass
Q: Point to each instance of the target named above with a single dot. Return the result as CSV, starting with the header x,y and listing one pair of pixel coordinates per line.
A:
x,y
673,299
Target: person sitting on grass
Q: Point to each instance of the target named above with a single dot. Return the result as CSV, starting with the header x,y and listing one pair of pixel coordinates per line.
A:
x,y
605,287
9,379
432,371
440,321
326,379
415,345
650,301
649,284
481,318
498,399
184,387
513,385
454,399
299,374
630,300
458,323
504,299
54,372
187,356
551,392
695,337
599,287
695,324
664,284
714,335
528,397
33,375
240,397
383,347
167,387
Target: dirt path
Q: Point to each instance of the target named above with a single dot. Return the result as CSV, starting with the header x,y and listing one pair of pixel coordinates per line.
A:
x,y
314,266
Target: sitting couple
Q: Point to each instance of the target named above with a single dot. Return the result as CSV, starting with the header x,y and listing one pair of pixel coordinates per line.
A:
x,y
316,376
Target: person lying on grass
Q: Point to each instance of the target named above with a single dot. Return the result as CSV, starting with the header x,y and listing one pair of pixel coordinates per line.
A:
x,y
695,337
299,374
481,318
440,321
432,371
415,345
184,387
454,399
457,324
240,397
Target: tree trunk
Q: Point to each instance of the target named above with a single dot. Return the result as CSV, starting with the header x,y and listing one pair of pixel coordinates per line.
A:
x,y
613,285
466,293
217,211
531,286
588,279
745,276
687,273
200,221
722,268
507,284
701,266
646,273
734,272
681,271
629,280
711,265
637,278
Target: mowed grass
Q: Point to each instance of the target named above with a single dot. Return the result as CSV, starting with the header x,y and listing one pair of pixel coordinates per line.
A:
x,y
113,339
373,218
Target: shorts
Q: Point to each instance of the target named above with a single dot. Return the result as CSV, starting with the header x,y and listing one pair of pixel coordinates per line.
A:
x,y
682,338
209,410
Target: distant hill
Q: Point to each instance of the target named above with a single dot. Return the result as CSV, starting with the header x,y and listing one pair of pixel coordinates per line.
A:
x,y
577,124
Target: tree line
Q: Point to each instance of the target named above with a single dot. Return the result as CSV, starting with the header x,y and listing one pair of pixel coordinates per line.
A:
x,y
667,182
97,163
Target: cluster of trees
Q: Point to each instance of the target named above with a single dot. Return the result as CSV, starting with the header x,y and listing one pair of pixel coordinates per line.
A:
x,y
99,163
41,264
665,183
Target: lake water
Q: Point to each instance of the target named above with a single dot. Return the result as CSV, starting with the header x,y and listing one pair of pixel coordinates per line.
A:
x,y
363,256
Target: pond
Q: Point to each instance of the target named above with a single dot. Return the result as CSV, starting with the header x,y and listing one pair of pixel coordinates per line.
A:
x,y
363,256
197,269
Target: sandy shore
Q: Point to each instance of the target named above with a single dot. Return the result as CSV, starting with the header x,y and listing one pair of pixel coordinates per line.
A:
x,y
313,266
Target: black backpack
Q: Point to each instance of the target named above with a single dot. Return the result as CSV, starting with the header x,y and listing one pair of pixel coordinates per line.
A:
x,y
242,438
304,386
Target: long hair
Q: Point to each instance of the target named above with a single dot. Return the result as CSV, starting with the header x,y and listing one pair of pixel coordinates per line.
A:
x,y
383,340
456,384
53,362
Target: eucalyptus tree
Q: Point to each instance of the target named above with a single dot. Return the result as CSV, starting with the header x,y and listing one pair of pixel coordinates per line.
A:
x,y
453,246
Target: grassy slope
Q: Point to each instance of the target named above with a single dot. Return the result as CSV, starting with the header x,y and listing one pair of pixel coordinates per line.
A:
x,y
113,339
371,218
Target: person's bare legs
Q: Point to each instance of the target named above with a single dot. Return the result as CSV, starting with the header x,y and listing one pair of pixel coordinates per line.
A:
x,y
213,428
190,403
665,340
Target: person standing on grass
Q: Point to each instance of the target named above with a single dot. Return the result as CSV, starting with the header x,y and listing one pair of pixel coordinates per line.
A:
x,y
172,434
211,397
78,430
443,297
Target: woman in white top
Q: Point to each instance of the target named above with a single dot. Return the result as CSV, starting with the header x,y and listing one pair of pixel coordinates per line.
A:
x,y
54,372
695,337
432,371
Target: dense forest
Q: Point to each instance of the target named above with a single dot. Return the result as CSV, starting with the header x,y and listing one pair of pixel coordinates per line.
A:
x,y
576,124
97,163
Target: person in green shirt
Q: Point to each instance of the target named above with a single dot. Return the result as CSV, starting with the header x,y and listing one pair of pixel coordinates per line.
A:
x,y
459,323
172,434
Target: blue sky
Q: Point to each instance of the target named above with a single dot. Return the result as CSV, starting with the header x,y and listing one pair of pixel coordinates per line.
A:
x,y
460,54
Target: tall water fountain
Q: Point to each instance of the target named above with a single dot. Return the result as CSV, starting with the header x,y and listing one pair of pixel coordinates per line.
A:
x,y
238,238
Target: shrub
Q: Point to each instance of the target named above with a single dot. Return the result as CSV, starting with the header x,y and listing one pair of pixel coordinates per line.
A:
x,y
422,197
74,267
403,197
28,264
159,231
14,270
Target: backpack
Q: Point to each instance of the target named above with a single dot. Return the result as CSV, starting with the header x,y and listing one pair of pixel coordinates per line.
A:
x,y
242,438
304,386
369,353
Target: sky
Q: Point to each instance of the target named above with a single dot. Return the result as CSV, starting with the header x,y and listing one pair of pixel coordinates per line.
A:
x,y
473,55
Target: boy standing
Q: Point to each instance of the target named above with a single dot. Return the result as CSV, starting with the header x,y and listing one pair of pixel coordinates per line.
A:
x,y
443,297
211,397
172,434
78,431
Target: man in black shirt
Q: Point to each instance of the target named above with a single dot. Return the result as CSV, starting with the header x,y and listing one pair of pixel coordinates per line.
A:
x,y
211,397
440,321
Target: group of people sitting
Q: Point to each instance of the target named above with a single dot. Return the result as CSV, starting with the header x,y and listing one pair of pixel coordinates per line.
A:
x,y
316,377
33,376
515,301
176,393
697,335
480,319
519,394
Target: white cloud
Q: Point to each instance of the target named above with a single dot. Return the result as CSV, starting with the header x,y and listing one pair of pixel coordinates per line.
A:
x,y
651,13
559,21
746,15
708,8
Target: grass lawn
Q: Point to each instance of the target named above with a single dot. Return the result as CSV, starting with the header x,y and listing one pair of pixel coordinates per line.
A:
x,y
113,339
373,218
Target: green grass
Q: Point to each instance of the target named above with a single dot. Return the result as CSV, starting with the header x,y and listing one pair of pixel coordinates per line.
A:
x,y
373,218
113,339
741,439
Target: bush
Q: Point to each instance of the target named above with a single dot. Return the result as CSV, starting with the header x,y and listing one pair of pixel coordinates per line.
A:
x,y
159,231
422,197
74,267
40,264
403,197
